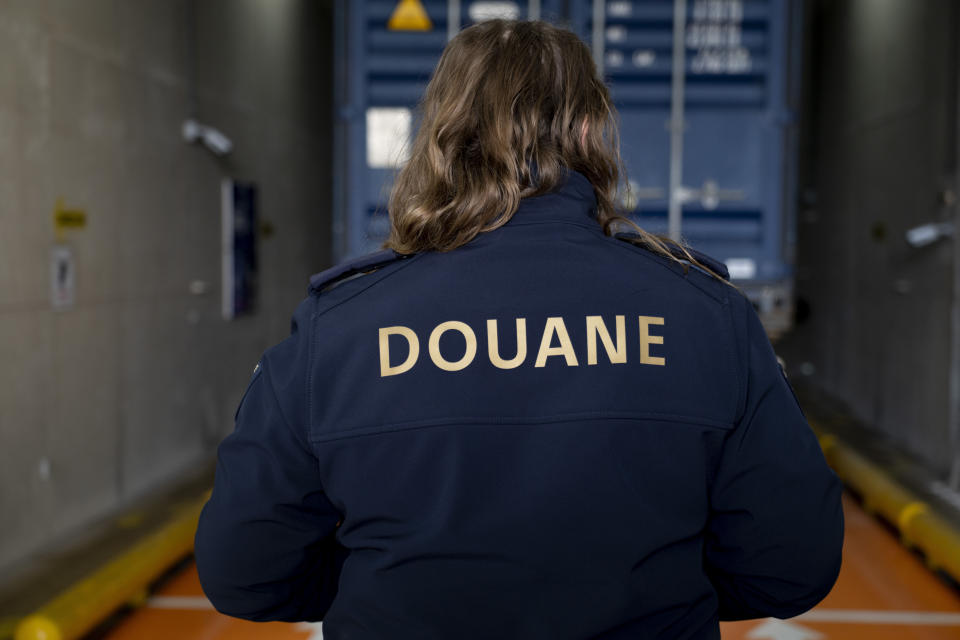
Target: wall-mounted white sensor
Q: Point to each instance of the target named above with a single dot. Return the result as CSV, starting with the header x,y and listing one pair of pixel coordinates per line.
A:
x,y
213,139
927,234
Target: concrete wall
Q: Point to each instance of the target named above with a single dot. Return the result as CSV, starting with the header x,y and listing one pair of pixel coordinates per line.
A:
x,y
879,140
137,383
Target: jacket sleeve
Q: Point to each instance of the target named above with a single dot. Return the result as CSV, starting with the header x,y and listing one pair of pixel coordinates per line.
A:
x,y
774,537
265,545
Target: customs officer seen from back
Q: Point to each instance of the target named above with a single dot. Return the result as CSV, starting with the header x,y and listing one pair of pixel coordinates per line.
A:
x,y
519,421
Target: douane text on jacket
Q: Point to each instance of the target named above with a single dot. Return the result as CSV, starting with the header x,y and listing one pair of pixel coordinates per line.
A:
x,y
554,341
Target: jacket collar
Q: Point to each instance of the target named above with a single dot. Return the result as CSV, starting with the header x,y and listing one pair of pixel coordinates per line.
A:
x,y
573,201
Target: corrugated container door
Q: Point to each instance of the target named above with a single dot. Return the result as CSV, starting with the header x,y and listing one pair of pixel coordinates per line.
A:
x,y
735,164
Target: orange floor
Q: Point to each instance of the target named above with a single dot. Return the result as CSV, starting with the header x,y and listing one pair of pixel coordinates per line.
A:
x,y
884,592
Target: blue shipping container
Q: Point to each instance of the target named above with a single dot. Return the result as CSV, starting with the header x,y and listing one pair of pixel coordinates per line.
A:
x,y
706,128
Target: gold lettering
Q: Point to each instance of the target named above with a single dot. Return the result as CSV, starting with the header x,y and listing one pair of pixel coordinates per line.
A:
x,y
595,327
469,336
555,325
406,332
646,340
494,350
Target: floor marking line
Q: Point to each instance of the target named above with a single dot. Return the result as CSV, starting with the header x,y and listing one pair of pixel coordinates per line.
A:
x,y
196,603
858,616
773,629
315,629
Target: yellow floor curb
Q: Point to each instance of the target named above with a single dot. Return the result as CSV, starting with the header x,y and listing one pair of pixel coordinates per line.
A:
x,y
121,581
7,627
919,526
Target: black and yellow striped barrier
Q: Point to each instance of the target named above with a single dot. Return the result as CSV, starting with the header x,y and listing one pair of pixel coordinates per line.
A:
x,y
124,580
919,525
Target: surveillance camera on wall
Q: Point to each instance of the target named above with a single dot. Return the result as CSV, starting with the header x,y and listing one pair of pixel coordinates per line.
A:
x,y
213,139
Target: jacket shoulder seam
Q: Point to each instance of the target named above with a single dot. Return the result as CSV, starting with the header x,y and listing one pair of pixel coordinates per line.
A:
x,y
373,279
721,299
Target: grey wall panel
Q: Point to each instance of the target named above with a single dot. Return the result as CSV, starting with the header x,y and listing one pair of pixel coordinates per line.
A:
x,y
81,435
26,498
878,332
138,382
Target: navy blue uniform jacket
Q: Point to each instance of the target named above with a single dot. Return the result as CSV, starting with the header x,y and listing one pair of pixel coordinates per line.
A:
x,y
545,433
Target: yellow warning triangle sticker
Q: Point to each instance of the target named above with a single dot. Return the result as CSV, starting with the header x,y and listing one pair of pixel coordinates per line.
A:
x,y
409,16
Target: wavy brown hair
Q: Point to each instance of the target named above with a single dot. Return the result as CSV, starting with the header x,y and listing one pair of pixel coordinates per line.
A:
x,y
511,107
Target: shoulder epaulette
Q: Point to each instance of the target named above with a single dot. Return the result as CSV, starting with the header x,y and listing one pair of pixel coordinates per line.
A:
x,y
713,264
352,267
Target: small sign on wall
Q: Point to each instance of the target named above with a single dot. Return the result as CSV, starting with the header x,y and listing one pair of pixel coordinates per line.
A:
x,y
239,252
63,278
